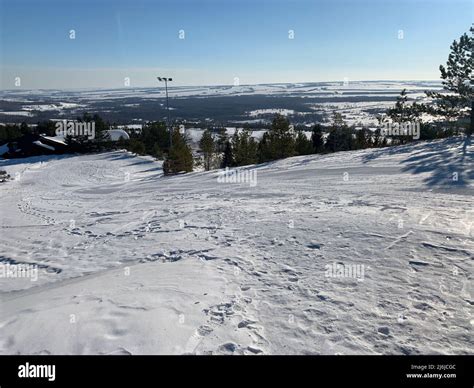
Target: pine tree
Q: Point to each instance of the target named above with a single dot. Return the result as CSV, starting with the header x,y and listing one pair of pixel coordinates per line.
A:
x,y
228,158
101,129
155,133
264,149
363,139
303,146
317,139
457,82
208,147
244,148
376,139
137,147
180,157
403,113
340,136
157,151
400,112
221,139
281,139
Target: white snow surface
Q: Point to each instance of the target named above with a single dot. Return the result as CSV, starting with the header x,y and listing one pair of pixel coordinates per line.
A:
x,y
131,262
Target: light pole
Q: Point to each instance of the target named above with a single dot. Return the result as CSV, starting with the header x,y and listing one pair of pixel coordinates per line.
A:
x,y
165,80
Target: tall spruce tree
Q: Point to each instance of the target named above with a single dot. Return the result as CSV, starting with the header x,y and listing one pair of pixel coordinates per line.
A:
x,y
244,148
340,135
281,140
264,149
362,139
208,148
221,139
180,157
155,133
228,158
303,146
101,129
317,139
457,100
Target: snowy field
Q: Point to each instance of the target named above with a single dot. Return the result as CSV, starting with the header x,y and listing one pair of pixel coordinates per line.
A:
x,y
308,89
131,262
308,103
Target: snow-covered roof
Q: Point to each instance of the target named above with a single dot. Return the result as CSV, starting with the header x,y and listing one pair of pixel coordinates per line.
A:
x,y
116,134
55,139
38,143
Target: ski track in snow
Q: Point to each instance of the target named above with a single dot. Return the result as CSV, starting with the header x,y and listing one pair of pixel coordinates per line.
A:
x,y
131,262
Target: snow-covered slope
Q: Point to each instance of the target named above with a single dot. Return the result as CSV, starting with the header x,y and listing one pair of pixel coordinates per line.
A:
x,y
133,262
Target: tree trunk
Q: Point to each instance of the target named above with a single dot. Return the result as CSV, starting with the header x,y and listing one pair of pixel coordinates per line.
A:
x,y
471,126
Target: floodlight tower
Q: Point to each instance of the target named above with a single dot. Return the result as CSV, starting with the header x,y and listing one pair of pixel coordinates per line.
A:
x,y
166,80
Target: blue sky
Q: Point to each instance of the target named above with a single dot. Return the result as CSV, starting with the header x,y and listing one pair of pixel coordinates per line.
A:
x,y
224,39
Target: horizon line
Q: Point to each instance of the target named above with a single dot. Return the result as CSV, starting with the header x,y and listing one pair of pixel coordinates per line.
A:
x,y
217,85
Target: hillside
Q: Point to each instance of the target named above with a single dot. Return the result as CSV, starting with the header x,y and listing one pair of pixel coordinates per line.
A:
x,y
131,262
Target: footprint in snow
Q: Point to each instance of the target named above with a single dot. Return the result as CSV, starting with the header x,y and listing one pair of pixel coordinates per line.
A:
x,y
314,246
204,330
228,347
